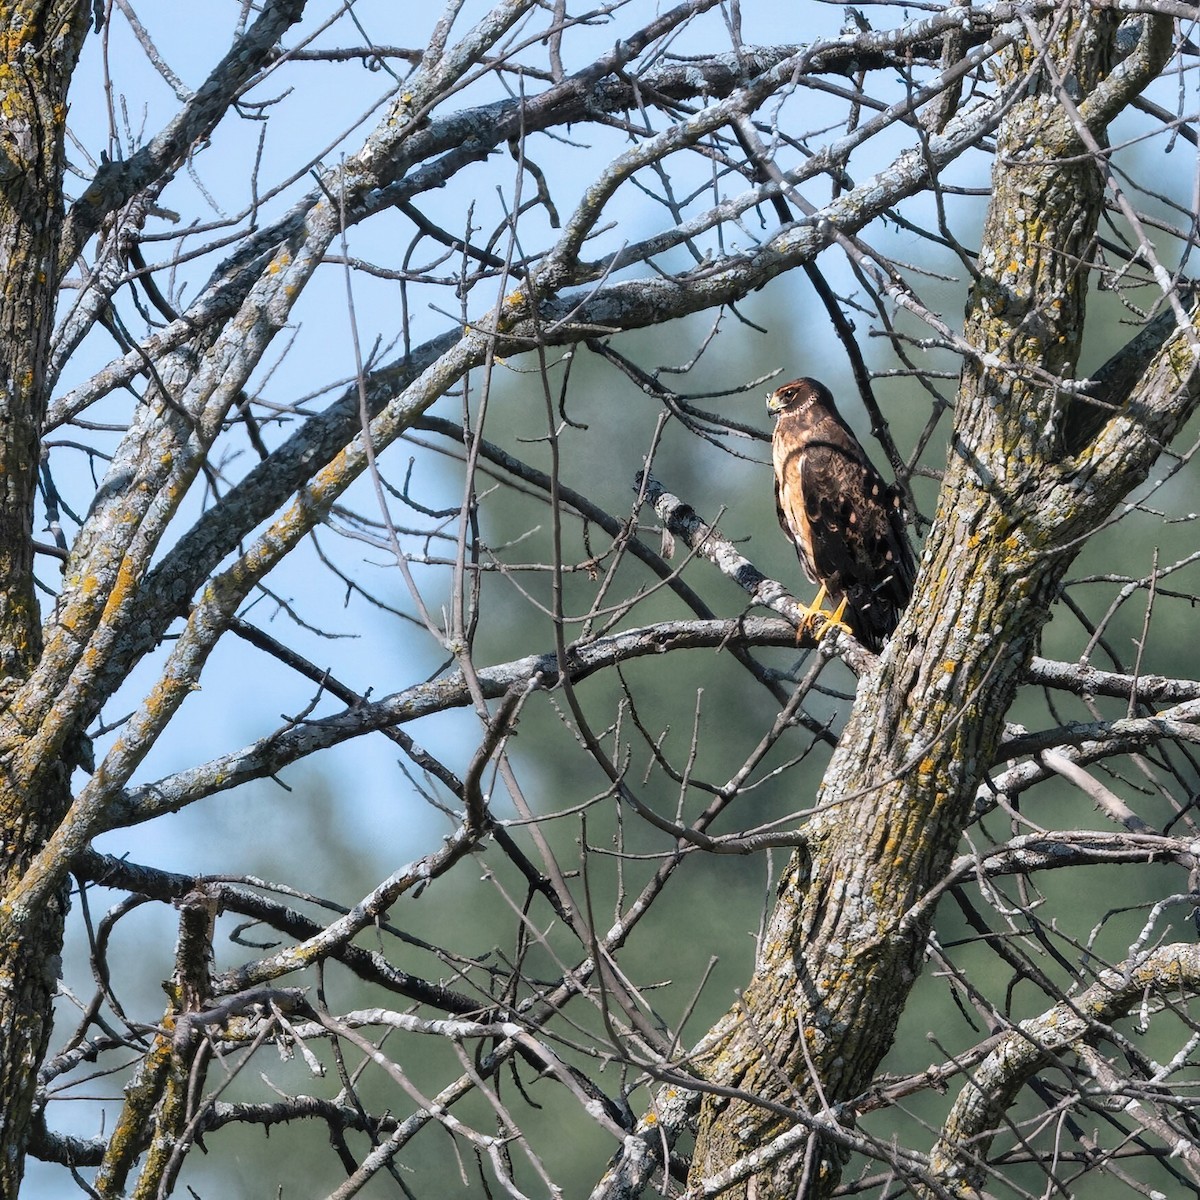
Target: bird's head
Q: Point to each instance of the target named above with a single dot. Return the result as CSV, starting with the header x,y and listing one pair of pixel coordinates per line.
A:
x,y
797,396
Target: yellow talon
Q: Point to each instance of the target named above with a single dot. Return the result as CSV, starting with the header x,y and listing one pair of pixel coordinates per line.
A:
x,y
836,618
816,621
808,616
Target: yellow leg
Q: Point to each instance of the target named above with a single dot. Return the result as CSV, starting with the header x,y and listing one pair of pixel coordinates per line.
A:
x,y
816,620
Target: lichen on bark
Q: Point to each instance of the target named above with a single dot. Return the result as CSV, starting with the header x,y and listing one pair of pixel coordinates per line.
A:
x,y
39,46
843,949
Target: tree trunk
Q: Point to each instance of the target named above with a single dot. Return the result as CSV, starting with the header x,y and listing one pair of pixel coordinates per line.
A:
x,y
40,50
845,942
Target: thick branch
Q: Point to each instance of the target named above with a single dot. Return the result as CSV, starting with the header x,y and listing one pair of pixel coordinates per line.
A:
x,y
271,754
839,956
959,1158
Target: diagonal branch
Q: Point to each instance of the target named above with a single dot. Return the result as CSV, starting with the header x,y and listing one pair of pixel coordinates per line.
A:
x,y
960,1155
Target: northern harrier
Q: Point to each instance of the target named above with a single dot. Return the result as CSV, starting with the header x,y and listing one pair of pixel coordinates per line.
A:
x,y
847,524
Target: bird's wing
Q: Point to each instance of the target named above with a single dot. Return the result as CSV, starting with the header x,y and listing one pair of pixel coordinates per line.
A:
x,y
859,545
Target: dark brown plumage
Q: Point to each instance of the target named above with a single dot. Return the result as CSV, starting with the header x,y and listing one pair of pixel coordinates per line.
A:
x,y
847,524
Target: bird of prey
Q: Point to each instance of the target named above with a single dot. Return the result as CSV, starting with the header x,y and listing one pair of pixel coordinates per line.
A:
x,y
847,524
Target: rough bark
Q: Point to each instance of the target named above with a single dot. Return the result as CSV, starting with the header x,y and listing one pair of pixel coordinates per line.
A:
x,y
1030,474
845,941
37,57
1066,1030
